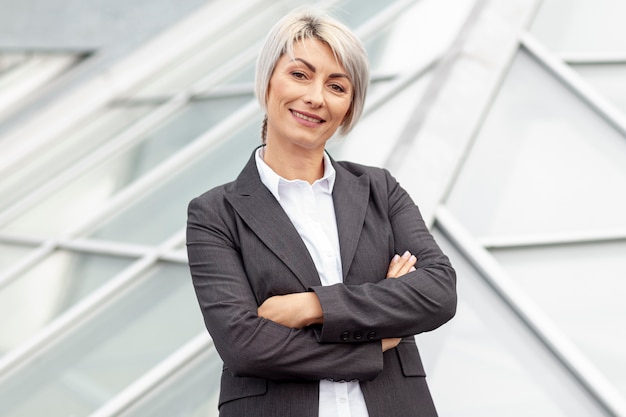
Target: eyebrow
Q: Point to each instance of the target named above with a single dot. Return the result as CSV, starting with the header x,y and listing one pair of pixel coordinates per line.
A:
x,y
313,69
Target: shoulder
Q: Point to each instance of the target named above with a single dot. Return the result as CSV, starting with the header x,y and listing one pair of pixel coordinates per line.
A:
x,y
212,202
214,194
247,182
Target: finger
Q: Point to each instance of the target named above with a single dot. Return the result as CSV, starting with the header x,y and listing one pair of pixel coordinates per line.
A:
x,y
396,265
400,265
407,265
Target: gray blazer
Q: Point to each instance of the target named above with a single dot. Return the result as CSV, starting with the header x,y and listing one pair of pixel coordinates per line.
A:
x,y
243,249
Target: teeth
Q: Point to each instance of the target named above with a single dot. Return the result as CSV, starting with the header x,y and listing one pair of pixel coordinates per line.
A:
x,y
303,117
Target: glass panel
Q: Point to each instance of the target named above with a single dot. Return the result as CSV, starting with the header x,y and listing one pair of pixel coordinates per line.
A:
x,y
86,137
575,26
10,254
581,287
93,364
486,362
543,162
609,79
354,13
49,289
419,35
80,198
197,64
193,392
23,74
10,61
143,223
244,76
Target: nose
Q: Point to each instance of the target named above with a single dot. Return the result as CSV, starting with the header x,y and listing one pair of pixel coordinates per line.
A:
x,y
314,96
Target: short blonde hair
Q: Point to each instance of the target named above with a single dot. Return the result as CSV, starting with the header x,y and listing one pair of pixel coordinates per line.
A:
x,y
304,24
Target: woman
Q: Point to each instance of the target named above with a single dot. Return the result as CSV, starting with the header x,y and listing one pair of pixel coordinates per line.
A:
x,y
296,264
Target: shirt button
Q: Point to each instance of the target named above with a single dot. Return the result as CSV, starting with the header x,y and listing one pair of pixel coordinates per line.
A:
x,y
343,400
345,336
371,335
358,335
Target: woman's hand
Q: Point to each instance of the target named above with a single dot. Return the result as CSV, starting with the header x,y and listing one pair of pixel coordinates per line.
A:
x,y
398,266
401,265
390,343
295,310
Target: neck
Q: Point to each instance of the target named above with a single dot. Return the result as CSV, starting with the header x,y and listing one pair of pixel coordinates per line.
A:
x,y
304,165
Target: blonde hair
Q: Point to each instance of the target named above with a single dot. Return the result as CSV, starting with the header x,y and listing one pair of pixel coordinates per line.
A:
x,y
304,24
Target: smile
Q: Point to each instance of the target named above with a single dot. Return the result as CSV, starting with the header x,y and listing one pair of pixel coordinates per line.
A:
x,y
307,118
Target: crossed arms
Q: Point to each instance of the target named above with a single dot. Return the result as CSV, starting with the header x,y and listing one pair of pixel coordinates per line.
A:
x,y
296,335
298,310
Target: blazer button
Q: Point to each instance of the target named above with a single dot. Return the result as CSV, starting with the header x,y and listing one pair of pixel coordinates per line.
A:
x,y
371,335
358,335
345,336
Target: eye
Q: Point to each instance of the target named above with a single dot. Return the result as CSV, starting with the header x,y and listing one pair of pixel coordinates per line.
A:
x,y
299,75
338,88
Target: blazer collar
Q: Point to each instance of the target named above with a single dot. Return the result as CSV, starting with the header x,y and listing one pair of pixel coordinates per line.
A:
x,y
350,196
263,214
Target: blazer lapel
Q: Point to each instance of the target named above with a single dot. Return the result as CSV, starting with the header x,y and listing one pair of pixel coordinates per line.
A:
x,y
263,214
351,196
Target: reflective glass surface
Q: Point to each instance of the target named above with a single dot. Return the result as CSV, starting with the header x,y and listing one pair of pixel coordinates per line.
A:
x,y
23,74
609,80
582,26
48,289
243,76
92,364
589,283
420,34
162,212
486,363
356,12
80,198
11,253
212,54
192,392
67,150
543,163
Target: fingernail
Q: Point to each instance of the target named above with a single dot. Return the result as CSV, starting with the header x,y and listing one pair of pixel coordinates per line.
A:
x,y
406,254
412,258
396,257
412,269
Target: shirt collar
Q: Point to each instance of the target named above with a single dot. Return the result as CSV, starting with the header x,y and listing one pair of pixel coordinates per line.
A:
x,y
272,180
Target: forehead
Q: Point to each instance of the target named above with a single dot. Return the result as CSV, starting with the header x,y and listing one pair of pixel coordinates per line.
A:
x,y
315,52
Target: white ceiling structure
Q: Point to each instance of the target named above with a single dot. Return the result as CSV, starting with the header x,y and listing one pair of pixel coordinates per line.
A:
x,y
504,119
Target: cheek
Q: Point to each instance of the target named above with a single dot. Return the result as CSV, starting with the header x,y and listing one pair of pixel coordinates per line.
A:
x,y
343,110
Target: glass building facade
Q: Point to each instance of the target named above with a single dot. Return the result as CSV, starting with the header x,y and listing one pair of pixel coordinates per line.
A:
x,y
504,119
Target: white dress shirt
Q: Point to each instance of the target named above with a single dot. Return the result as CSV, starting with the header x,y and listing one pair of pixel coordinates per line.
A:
x,y
311,210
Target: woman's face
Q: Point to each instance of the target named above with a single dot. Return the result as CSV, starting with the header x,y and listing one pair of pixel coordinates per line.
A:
x,y
308,97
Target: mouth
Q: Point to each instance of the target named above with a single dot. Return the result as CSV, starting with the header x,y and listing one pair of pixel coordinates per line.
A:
x,y
307,117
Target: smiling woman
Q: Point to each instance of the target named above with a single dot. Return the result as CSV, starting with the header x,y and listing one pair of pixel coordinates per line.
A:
x,y
314,275
308,98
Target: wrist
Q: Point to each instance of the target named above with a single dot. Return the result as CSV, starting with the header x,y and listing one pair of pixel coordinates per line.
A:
x,y
312,311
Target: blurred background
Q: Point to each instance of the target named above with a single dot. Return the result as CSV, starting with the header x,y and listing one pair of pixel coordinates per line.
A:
x,y
504,119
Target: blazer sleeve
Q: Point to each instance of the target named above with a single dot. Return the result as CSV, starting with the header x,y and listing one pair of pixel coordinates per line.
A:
x,y
417,302
250,345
